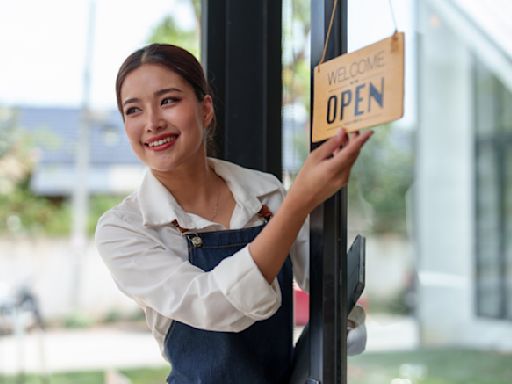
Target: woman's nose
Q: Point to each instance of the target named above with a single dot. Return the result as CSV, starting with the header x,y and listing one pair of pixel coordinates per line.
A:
x,y
154,121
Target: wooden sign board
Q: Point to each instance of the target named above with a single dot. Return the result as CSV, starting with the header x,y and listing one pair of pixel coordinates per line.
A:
x,y
359,89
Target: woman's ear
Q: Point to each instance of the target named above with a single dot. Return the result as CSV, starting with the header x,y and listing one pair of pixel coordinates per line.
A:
x,y
208,110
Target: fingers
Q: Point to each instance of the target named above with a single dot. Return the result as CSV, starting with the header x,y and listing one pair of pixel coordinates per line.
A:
x,y
330,146
345,158
355,143
350,150
344,137
341,140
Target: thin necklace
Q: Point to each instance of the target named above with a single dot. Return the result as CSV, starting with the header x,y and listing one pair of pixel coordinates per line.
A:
x,y
216,208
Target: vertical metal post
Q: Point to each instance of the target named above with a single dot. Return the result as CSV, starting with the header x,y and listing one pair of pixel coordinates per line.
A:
x,y
80,197
328,264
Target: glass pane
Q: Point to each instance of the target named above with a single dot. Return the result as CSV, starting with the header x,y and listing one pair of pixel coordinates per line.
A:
x,y
508,228
484,99
505,112
488,268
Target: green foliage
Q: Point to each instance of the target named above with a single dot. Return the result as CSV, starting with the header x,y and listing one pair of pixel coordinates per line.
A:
x,y
16,159
379,181
301,145
7,131
115,316
296,83
98,204
57,378
22,212
135,375
431,366
296,72
381,178
147,375
78,320
422,366
169,32
396,304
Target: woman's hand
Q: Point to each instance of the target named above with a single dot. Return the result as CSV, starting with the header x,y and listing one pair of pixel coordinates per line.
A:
x,y
327,169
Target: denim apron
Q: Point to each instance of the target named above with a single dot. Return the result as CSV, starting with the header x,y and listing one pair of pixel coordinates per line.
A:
x,y
260,354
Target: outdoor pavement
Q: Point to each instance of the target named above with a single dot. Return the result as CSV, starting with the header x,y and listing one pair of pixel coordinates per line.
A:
x,y
111,348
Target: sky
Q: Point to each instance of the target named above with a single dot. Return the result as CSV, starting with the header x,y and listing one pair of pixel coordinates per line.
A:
x,y
44,43
43,47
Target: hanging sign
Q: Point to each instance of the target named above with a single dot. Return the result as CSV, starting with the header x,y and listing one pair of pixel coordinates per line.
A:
x,y
359,89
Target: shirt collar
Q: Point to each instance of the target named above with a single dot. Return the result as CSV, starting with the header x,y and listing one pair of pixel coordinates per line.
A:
x,y
159,208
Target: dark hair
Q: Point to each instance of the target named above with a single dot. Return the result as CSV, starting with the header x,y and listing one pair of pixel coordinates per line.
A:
x,y
176,59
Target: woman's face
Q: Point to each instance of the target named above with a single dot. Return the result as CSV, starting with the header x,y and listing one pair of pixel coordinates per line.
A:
x,y
164,120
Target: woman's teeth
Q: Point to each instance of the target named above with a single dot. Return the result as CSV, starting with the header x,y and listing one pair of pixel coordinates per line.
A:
x,y
158,143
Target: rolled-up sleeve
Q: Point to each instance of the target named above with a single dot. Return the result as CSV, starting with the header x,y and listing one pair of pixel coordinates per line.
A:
x,y
230,298
241,281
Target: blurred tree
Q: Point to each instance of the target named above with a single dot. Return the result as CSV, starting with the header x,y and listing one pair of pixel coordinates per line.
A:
x,y
172,31
380,180
296,79
15,158
296,73
296,29
22,212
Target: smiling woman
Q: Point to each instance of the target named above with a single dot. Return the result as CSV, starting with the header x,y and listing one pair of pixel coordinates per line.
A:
x,y
184,74
195,246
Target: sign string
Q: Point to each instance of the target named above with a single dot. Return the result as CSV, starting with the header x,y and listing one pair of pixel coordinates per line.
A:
x,y
331,22
392,11
328,36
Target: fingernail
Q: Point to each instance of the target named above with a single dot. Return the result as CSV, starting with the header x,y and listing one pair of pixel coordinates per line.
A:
x,y
340,133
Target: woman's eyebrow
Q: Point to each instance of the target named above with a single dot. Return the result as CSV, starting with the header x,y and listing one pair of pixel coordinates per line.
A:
x,y
163,91
160,92
131,100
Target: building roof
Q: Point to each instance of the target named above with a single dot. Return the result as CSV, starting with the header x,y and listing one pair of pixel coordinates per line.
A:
x,y
54,132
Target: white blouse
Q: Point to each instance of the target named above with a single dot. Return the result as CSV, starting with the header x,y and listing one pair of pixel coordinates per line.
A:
x,y
148,256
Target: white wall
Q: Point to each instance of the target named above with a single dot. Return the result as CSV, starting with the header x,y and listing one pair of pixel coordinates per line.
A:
x,y
443,182
47,267
389,265
444,193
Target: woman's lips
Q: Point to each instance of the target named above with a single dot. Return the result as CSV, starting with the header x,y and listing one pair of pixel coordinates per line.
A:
x,y
161,142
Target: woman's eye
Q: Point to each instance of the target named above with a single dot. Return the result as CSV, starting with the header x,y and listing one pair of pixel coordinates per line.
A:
x,y
170,100
131,110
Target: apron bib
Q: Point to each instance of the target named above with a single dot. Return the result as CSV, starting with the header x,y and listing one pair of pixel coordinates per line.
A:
x,y
260,354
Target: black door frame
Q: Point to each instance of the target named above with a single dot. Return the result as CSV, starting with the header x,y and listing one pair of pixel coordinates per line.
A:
x,y
241,52
328,268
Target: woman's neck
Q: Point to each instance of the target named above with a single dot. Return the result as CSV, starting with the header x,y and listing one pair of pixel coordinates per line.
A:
x,y
195,187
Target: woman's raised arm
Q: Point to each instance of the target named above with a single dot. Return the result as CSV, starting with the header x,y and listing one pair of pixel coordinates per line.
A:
x,y
325,171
